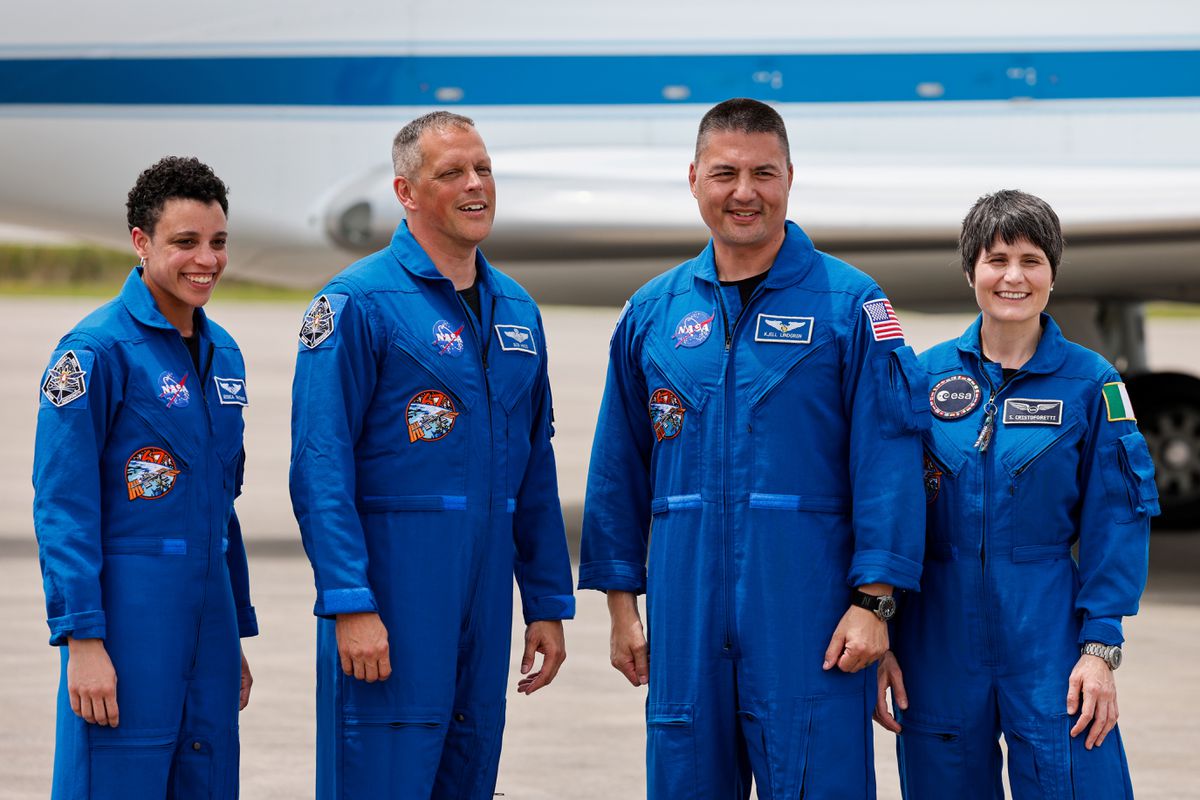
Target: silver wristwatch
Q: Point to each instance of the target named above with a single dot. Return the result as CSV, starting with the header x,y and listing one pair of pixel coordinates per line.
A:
x,y
1111,653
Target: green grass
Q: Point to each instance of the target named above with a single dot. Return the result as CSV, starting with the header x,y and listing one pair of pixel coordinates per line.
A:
x,y
87,271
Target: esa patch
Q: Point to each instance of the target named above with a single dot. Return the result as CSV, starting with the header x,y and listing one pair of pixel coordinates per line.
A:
x,y
954,397
884,323
933,480
320,319
666,414
430,415
1116,403
173,393
231,391
66,380
694,329
516,337
788,330
1023,411
150,473
447,338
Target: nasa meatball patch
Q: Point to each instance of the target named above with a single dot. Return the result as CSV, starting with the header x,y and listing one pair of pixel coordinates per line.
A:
x,y
694,329
954,397
1023,411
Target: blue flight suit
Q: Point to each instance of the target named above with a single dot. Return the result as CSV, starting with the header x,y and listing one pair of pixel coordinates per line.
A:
x,y
137,463
989,643
422,477
773,452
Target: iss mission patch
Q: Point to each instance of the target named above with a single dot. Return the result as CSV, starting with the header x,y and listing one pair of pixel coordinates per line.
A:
x,y
666,414
150,473
954,397
933,480
431,416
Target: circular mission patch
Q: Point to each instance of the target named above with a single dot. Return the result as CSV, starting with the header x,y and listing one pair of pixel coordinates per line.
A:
x,y
954,397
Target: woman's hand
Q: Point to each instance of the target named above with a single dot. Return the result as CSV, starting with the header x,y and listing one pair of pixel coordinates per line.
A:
x,y
92,682
1094,680
889,675
247,682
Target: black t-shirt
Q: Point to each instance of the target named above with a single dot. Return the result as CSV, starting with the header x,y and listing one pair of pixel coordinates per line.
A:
x,y
746,286
471,296
193,344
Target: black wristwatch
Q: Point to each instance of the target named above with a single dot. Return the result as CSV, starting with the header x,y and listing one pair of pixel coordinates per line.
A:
x,y
1109,653
883,606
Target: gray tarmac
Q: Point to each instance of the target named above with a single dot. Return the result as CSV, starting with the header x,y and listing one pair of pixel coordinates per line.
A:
x,y
582,737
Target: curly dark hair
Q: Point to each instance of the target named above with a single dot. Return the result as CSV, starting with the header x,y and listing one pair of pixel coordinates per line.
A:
x,y
174,176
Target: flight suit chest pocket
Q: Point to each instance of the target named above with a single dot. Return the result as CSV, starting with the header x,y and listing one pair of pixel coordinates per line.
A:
x,y
942,463
420,427
1043,488
149,479
1128,473
674,406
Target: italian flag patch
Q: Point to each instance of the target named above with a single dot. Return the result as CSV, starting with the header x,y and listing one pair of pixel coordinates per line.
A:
x,y
1116,400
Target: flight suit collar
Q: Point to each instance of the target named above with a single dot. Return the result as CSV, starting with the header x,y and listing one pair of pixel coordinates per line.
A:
x,y
1049,356
415,261
140,304
794,260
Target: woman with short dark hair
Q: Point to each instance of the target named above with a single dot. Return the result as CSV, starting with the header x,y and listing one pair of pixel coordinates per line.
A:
x,y
1033,450
137,462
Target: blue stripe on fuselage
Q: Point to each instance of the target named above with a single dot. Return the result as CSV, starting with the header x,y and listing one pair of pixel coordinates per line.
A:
x,y
599,79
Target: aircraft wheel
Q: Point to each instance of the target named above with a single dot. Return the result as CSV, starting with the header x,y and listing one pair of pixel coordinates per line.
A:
x,y
1167,405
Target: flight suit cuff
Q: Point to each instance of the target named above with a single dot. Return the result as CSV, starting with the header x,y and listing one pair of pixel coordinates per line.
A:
x,y
247,622
882,566
554,606
623,576
332,602
82,625
1105,630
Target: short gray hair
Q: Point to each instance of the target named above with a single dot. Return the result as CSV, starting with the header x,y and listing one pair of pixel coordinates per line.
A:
x,y
406,147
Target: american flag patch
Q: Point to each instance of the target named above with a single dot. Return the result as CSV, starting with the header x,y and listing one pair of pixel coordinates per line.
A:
x,y
884,324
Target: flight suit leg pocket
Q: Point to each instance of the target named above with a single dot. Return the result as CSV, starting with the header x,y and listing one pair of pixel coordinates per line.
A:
x,y
1101,773
194,770
390,754
471,757
932,756
838,758
130,765
671,762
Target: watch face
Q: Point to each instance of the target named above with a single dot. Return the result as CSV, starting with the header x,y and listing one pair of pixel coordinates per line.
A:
x,y
887,607
1114,657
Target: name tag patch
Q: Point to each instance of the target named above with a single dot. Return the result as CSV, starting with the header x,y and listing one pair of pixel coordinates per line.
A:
x,y
1023,411
516,337
788,330
231,391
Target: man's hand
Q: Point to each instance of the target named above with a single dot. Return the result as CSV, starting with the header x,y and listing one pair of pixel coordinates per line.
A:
x,y
1094,679
628,650
860,638
247,682
889,675
545,637
362,643
92,682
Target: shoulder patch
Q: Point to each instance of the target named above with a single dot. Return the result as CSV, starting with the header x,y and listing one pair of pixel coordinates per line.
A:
x,y
65,381
516,337
320,320
1116,403
624,310
884,323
